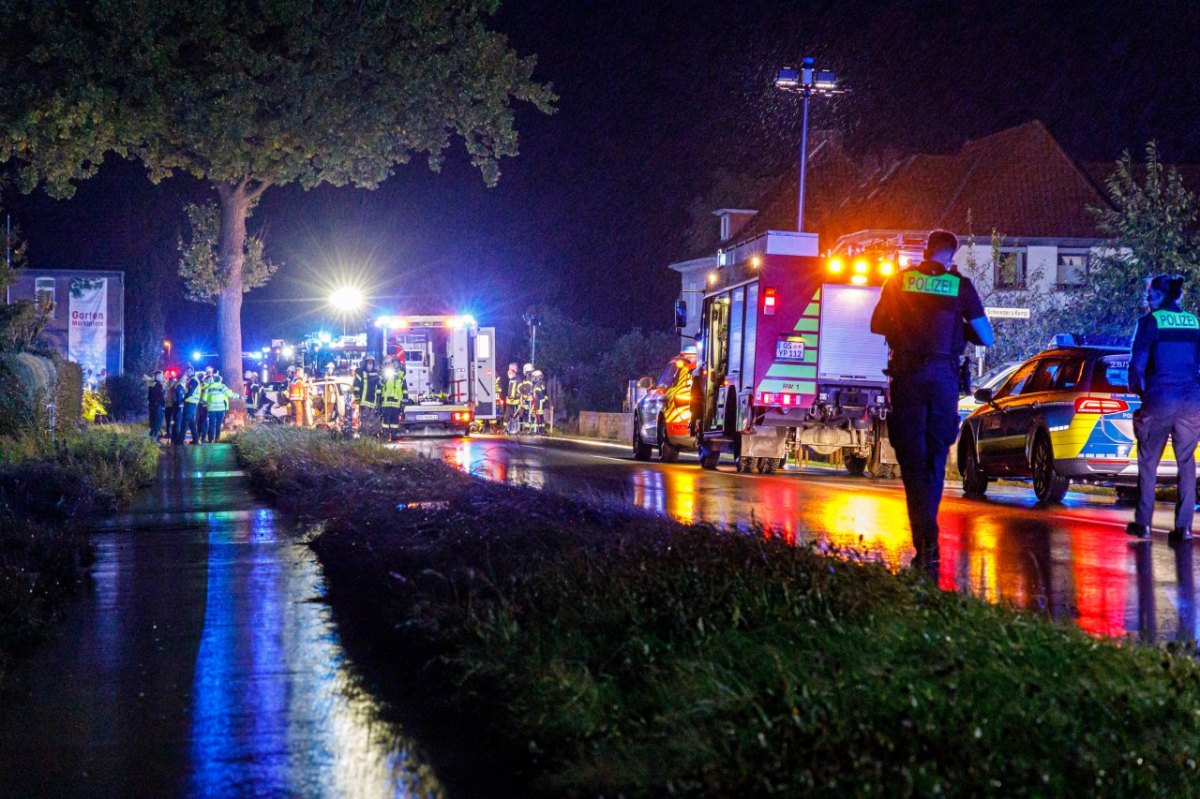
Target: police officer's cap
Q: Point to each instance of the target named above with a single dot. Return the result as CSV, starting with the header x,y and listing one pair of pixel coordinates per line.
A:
x,y
940,240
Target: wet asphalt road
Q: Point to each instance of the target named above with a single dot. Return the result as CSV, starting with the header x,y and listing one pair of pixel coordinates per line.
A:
x,y
200,663
1072,562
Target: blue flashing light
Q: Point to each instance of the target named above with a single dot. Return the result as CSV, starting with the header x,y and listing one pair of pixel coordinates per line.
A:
x,y
324,337
258,356
197,355
383,321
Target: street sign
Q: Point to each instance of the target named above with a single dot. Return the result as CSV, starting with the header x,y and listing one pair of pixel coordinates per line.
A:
x,y
1007,313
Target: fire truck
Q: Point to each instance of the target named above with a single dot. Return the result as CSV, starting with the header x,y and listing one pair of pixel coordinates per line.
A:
x,y
450,370
786,357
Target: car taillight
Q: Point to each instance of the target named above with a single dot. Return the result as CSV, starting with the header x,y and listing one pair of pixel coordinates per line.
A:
x,y
1100,405
769,302
766,399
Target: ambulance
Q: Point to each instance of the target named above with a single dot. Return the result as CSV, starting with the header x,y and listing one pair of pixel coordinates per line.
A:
x,y
786,360
450,370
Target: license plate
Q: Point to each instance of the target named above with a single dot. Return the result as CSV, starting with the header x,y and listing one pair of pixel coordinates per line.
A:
x,y
789,350
425,417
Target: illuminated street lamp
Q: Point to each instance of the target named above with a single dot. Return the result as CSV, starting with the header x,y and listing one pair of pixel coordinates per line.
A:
x,y
346,301
806,82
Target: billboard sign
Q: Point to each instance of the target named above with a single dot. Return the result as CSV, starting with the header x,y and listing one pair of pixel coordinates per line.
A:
x,y
87,336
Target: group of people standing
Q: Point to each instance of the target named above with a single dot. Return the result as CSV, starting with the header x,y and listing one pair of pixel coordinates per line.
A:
x,y
381,395
524,398
194,403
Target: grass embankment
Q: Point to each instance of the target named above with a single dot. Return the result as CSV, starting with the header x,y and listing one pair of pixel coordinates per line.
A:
x,y
46,488
599,650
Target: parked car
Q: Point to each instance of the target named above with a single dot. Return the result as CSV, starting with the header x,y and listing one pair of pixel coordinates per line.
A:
x,y
662,417
993,378
1063,416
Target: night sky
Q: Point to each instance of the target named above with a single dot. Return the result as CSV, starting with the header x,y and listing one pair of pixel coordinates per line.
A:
x,y
657,99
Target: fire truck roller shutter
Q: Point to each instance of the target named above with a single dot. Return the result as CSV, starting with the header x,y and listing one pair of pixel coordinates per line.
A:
x,y
849,351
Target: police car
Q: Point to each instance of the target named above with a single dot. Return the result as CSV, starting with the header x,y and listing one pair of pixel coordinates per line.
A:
x,y
663,416
992,378
1063,416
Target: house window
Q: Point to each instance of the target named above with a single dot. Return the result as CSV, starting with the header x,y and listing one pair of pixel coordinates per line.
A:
x,y
1072,269
43,292
1010,270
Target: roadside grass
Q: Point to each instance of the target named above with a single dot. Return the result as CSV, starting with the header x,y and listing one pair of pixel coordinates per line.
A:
x,y
598,650
46,487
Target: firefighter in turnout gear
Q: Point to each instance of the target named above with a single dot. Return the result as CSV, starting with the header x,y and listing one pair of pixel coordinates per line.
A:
x,y
366,395
525,398
512,399
299,400
927,313
1163,373
393,392
539,402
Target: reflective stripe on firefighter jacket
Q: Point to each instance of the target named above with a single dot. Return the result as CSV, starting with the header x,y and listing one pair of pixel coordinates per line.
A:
x,y
192,392
393,391
366,387
297,390
216,396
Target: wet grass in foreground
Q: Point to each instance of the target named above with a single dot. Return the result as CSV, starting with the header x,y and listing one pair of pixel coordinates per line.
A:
x,y
46,488
600,650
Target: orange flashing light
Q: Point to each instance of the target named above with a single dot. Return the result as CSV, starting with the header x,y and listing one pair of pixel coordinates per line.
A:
x,y
756,261
886,268
861,266
836,265
858,280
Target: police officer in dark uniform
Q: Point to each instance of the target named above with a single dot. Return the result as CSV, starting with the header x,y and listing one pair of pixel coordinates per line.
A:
x,y
927,313
1163,372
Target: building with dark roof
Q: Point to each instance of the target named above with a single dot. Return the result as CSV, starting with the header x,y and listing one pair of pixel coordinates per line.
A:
x,y
1018,183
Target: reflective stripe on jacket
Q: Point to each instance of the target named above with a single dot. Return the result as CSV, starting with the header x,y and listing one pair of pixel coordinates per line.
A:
x,y
216,396
192,395
393,391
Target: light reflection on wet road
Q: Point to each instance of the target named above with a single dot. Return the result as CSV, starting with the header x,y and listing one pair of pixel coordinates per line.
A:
x,y
1072,562
201,663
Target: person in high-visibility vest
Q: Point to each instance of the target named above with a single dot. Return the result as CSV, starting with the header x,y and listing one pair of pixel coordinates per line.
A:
x,y
298,397
393,392
216,396
927,312
191,401
1163,370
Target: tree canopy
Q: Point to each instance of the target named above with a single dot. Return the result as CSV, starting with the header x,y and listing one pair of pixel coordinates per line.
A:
x,y
257,92
248,95
1152,228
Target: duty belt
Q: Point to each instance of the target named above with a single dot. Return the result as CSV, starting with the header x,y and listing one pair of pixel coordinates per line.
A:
x,y
911,359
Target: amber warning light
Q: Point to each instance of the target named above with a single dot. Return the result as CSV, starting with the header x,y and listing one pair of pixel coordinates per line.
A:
x,y
769,302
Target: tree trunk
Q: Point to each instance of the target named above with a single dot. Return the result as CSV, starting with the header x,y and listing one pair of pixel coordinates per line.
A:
x,y
235,205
